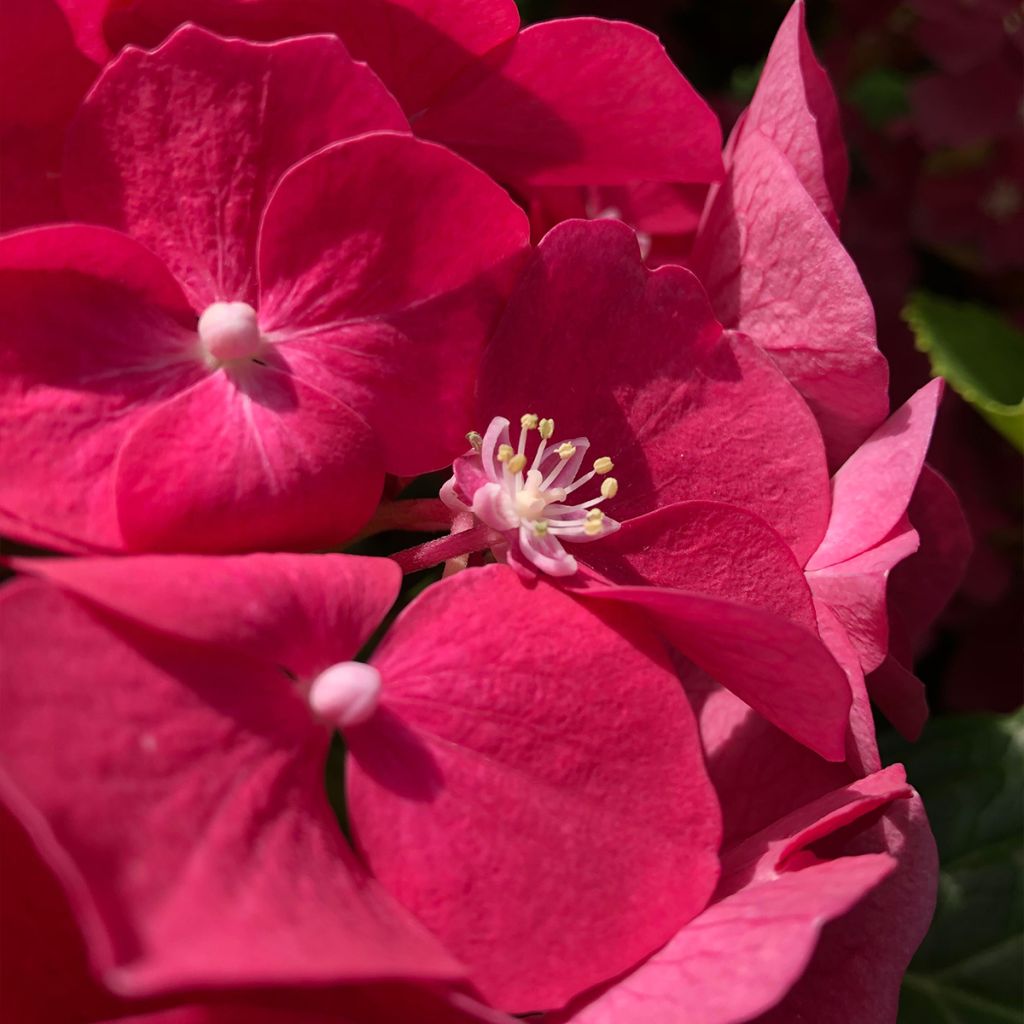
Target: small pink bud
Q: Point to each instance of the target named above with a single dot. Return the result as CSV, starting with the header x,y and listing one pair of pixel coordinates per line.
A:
x,y
229,330
346,694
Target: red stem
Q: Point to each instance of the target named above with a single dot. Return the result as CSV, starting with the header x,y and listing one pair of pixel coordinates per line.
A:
x,y
434,552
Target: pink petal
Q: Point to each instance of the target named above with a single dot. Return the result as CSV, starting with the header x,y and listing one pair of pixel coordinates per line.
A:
x,y
384,263
775,270
363,1004
742,746
617,112
872,489
900,696
305,612
859,604
86,20
415,46
794,106
95,333
182,146
741,955
30,176
43,75
44,974
921,585
186,733
861,958
861,742
261,459
708,548
684,412
532,789
780,846
781,670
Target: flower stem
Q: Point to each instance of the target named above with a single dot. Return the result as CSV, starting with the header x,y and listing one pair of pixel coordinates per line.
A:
x,y
433,552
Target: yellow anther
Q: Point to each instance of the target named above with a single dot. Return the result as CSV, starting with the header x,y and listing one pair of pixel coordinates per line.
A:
x,y
517,463
566,450
528,421
540,528
547,428
505,452
592,527
476,442
603,465
609,487
595,515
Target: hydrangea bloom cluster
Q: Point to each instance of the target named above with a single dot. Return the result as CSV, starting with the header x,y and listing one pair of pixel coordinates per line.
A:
x,y
600,749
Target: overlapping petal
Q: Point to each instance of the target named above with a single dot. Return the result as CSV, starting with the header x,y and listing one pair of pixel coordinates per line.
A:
x,y
384,263
181,147
775,270
794,106
684,412
531,787
619,112
778,889
261,886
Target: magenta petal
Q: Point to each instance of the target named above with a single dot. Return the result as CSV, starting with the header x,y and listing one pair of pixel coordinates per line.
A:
x,y
95,333
617,112
684,412
384,263
304,612
743,953
741,746
182,146
415,46
707,548
44,973
859,604
921,585
532,788
264,460
184,734
783,671
872,489
861,958
775,270
900,696
794,106
861,742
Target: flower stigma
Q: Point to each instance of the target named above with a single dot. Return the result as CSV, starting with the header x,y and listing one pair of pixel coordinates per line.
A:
x,y
228,331
528,496
346,694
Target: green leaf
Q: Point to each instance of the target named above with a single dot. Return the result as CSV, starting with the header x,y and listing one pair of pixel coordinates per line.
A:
x,y
970,773
979,353
880,95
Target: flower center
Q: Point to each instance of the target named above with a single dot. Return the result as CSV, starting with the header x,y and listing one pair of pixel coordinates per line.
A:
x,y
229,330
529,497
345,694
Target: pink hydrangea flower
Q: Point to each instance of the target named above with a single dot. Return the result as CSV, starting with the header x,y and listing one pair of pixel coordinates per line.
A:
x,y
475,803
473,800
708,533
241,360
